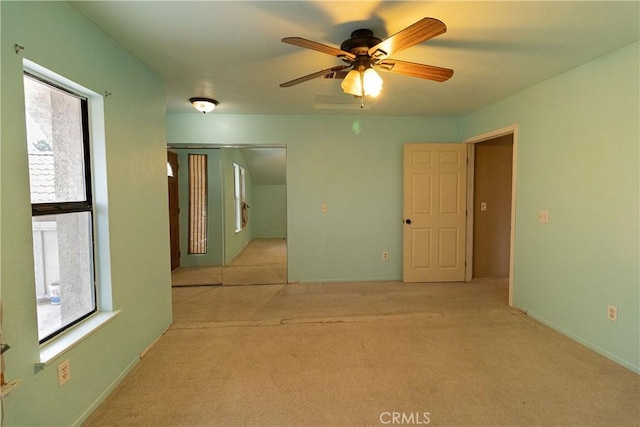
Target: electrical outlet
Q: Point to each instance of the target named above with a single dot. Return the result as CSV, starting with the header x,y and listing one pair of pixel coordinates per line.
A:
x,y
612,313
64,373
385,255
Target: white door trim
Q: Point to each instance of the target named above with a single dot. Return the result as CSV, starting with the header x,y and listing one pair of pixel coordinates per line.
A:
x,y
513,129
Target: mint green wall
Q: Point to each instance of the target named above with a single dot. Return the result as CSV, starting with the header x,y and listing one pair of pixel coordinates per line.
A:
x,y
269,211
578,139
234,242
577,157
577,153
59,38
215,216
351,163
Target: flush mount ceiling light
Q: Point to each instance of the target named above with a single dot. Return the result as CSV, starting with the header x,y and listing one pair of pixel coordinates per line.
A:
x,y
205,105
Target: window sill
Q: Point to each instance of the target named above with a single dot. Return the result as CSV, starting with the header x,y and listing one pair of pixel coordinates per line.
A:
x,y
51,350
9,387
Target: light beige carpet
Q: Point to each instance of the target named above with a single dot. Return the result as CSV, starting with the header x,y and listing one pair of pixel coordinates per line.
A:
x,y
196,276
263,251
359,354
262,262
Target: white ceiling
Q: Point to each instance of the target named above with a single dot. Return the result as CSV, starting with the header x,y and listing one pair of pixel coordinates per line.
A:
x,y
231,51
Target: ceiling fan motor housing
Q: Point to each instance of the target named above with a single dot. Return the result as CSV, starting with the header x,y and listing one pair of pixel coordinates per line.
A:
x,y
360,42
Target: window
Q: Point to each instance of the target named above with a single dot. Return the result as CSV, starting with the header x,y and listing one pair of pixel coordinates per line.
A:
x,y
197,203
61,205
241,213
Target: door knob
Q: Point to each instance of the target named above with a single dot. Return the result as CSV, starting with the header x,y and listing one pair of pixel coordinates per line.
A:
x,y
408,221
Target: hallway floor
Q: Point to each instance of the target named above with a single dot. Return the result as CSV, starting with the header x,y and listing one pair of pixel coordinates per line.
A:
x,y
263,261
359,354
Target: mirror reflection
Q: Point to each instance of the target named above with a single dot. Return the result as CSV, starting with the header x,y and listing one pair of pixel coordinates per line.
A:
x,y
227,217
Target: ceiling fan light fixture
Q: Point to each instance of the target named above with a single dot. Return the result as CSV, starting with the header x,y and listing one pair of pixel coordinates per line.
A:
x,y
354,81
204,105
372,82
363,50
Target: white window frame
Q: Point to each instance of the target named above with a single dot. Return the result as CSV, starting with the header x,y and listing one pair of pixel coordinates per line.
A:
x,y
239,196
46,212
53,348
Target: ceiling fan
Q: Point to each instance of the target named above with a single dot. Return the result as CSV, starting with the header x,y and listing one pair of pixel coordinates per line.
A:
x,y
364,53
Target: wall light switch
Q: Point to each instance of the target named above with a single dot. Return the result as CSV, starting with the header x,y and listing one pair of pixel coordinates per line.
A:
x,y
543,217
325,208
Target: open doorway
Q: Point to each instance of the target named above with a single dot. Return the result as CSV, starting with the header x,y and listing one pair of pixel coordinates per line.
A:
x,y
491,201
246,252
174,208
492,207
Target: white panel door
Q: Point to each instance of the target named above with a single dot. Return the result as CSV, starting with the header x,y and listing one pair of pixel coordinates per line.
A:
x,y
434,210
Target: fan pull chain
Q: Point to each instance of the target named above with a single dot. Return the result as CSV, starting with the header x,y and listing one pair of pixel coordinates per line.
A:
x,y
362,88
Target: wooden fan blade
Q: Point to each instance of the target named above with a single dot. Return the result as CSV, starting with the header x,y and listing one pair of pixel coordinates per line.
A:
x,y
315,75
424,29
308,44
429,72
337,75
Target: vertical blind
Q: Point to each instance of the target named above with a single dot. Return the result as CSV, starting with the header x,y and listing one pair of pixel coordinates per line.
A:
x,y
197,203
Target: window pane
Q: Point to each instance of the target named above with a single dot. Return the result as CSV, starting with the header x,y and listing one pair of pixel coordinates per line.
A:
x,y
63,261
55,143
241,212
197,203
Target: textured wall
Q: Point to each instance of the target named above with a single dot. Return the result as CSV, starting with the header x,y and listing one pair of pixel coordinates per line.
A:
x,y
578,158
351,163
131,203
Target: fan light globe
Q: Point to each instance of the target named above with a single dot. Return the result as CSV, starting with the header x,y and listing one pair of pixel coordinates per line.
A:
x,y
204,105
352,83
372,82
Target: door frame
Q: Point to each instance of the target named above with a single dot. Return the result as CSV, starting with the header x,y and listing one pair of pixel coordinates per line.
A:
x,y
174,235
509,130
216,146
